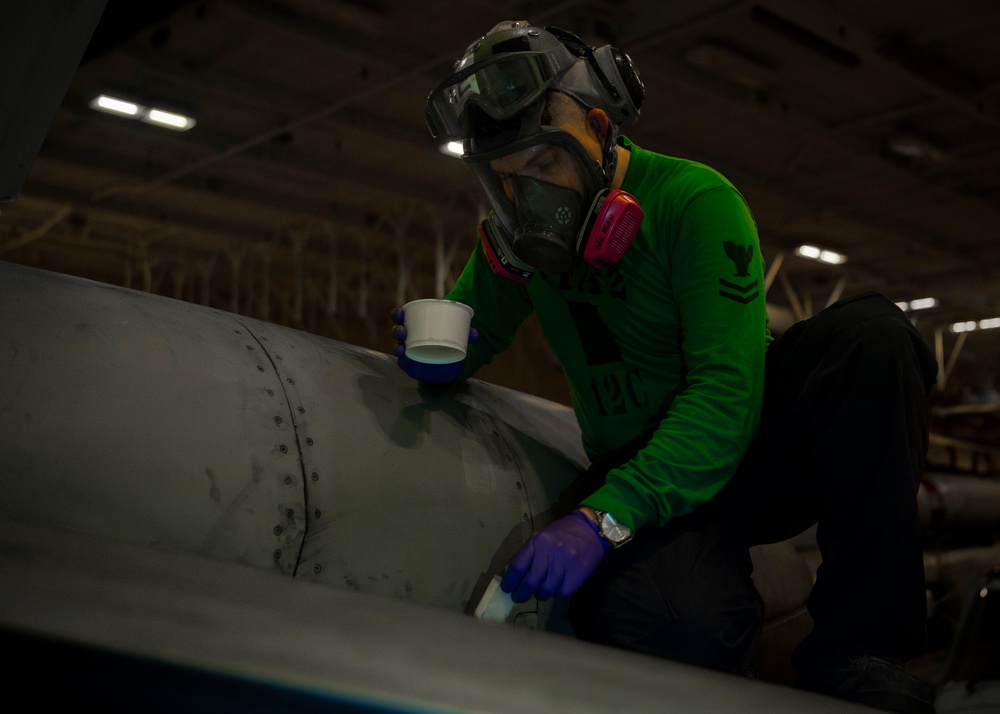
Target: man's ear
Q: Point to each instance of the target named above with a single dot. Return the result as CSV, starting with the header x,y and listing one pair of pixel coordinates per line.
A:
x,y
599,125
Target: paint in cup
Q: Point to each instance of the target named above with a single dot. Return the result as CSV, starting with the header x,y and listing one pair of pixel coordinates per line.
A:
x,y
437,331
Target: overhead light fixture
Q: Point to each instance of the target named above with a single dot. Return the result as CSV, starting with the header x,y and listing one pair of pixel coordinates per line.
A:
x,y
111,105
918,304
821,255
911,146
150,115
971,325
734,64
452,148
169,119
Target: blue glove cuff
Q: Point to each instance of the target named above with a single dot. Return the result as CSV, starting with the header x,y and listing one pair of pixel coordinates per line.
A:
x,y
439,374
605,543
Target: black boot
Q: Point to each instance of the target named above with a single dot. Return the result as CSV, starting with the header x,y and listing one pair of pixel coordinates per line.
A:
x,y
875,682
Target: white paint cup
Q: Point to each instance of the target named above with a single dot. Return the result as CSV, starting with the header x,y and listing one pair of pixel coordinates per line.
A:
x,y
437,331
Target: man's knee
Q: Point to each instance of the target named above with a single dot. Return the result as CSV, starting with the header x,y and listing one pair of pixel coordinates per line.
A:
x,y
722,638
892,339
881,336
691,599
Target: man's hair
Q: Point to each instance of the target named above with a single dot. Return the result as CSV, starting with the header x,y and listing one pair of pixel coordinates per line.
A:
x,y
561,108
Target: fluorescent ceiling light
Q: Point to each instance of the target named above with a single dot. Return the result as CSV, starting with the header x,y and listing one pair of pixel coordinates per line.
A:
x,y
970,325
819,254
918,304
911,146
169,119
151,115
104,103
452,148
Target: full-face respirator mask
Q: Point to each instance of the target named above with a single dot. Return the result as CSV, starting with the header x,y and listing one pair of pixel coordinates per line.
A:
x,y
550,200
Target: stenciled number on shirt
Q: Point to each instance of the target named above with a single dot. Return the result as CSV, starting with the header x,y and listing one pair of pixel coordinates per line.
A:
x,y
592,282
613,397
614,392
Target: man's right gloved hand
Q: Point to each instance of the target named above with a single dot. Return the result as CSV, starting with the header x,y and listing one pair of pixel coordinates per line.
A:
x,y
429,373
556,560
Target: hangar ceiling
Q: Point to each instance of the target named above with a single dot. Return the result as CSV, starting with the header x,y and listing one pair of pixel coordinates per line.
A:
x,y
309,192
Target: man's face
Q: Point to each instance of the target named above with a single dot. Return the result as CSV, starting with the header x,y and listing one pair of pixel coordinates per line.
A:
x,y
551,163
546,162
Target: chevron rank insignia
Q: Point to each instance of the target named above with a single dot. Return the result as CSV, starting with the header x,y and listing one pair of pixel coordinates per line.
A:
x,y
741,255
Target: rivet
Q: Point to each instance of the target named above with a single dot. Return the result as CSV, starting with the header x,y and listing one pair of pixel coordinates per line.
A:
x,y
277,555
315,476
278,357
309,441
289,513
278,530
283,449
317,569
270,392
533,33
301,410
277,420
317,513
518,485
250,347
287,480
260,368
237,332
524,516
291,381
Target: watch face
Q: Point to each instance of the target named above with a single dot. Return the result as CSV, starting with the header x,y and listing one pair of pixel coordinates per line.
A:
x,y
613,530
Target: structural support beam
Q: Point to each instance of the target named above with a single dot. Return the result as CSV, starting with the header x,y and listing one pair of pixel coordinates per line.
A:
x,y
235,253
838,290
793,299
333,286
772,271
945,369
60,215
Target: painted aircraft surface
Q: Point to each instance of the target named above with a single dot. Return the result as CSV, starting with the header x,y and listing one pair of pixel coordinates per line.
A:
x,y
201,511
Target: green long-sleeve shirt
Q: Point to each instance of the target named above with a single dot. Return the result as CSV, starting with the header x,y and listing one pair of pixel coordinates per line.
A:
x,y
672,337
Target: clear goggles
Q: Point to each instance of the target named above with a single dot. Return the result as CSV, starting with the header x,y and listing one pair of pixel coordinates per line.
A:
x,y
502,86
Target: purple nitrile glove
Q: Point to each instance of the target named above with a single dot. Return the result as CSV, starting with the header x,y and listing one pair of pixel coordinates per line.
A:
x,y
430,373
556,560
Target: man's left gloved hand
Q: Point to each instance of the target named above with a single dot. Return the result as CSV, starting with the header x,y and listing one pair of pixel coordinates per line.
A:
x,y
439,374
556,560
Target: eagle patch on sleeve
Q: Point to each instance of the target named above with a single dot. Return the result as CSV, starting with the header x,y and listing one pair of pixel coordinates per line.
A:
x,y
741,255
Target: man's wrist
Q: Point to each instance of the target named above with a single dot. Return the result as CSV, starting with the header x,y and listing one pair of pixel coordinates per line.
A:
x,y
590,513
615,534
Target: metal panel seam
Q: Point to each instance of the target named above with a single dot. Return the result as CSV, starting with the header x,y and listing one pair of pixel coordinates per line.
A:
x,y
298,444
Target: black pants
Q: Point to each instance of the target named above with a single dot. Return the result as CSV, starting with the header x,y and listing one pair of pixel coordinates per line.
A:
x,y
841,442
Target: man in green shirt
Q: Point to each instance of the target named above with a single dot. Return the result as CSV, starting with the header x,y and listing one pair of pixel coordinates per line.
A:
x,y
646,275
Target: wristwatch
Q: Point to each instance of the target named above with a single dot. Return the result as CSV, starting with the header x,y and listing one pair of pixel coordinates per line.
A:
x,y
617,534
